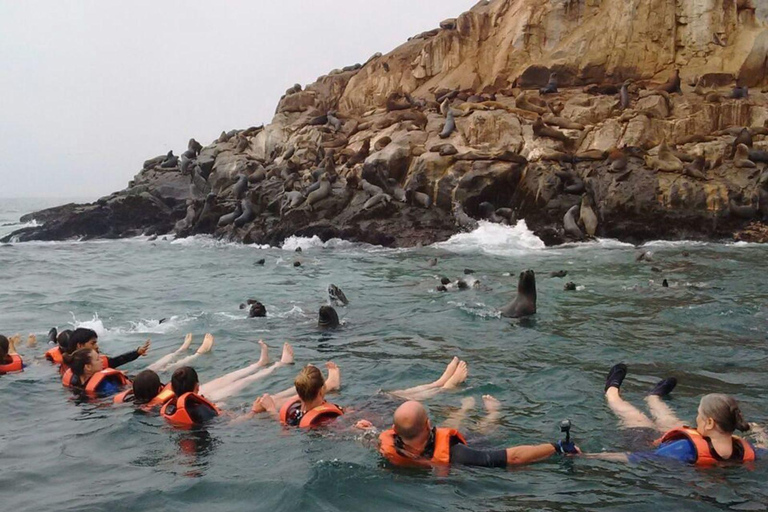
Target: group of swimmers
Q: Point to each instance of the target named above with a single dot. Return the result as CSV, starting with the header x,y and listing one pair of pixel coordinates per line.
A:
x,y
412,440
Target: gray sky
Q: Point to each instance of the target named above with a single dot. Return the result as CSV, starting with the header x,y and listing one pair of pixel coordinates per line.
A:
x,y
91,89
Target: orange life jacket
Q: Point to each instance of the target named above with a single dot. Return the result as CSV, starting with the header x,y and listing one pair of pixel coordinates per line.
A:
x,y
704,455
15,365
162,397
311,418
54,355
93,383
175,411
441,456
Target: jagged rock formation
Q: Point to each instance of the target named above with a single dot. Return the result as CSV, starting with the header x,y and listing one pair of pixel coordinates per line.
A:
x,y
405,148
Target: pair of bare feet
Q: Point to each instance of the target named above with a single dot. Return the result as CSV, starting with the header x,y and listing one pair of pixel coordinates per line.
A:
x,y
455,373
206,346
15,340
268,403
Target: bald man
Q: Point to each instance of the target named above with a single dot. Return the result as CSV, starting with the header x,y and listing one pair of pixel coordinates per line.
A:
x,y
414,442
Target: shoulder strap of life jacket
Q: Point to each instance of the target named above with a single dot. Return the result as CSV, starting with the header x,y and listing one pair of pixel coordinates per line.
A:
x,y
162,397
704,456
443,437
315,416
175,411
54,355
285,409
16,364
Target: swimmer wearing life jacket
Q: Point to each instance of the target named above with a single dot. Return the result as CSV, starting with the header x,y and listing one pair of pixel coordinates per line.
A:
x,y
147,391
85,372
189,408
414,442
711,442
55,354
87,338
308,407
10,360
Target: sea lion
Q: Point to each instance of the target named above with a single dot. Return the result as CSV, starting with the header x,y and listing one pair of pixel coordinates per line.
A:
x,y
431,262
525,301
741,158
296,263
292,199
558,273
154,162
240,187
421,199
370,188
542,130
323,191
488,212
382,143
260,262
738,93
562,122
570,287
758,156
247,216
397,101
551,87
195,146
170,161
672,85
462,284
376,200
744,137
743,211
224,137
226,220
336,296
624,101
361,155
587,214
399,194
462,220
327,318
449,127
666,161
521,102
618,159
570,223
257,310
696,168
441,288
334,122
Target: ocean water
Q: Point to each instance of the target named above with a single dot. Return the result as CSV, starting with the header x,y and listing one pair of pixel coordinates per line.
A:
x,y
708,329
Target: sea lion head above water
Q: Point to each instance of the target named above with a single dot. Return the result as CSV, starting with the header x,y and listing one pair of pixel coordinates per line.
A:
x,y
327,318
525,301
257,310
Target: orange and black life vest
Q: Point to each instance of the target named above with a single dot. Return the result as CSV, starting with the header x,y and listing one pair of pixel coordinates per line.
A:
x,y
177,413
54,355
311,418
162,397
96,380
16,365
704,452
391,447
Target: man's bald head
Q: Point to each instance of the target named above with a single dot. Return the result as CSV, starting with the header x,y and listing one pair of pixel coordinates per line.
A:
x,y
411,420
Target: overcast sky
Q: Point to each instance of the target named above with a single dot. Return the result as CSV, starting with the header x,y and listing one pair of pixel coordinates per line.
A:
x,y
91,89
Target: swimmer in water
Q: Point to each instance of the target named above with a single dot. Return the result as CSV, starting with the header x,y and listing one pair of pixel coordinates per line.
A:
x,y
10,360
712,441
87,338
85,372
55,354
414,442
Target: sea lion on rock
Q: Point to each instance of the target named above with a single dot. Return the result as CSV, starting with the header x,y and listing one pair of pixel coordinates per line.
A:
x,y
562,122
449,127
570,223
463,221
741,158
323,191
382,143
488,212
666,161
240,187
521,102
421,199
743,211
336,296
226,220
672,85
292,199
376,200
551,87
758,156
327,318
397,101
247,216
697,168
154,162
334,122
170,161
542,130
738,93
525,301
587,214
361,155
624,101
194,146
370,188
744,137
618,159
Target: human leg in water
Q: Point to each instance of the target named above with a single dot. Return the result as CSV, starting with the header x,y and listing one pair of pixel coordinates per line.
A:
x,y
455,373
665,418
629,415
165,361
224,387
493,413
244,372
455,419
206,347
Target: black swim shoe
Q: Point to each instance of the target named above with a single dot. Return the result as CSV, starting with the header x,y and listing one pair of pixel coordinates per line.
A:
x,y
616,376
664,387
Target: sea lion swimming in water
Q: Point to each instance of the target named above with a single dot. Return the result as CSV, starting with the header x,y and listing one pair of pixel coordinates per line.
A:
x,y
525,302
327,318
336,296
257,310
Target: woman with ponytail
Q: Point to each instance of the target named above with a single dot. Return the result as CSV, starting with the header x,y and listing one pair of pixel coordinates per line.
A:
x,y
86,372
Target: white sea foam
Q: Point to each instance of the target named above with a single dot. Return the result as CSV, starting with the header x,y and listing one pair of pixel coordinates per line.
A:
x,y
293,242
209,241
142,326
495,239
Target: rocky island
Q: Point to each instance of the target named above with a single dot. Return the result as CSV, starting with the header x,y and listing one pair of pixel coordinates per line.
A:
x,y
630,119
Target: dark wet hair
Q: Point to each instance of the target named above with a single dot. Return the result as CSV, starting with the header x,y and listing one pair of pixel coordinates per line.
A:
x,y
724,409
78,360
184,380
63,339
146,386
4,347
81,336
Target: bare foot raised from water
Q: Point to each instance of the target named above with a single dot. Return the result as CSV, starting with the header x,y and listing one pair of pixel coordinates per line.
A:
x,y
287,357
468,403
333,382
187,342
207,345
459,376
31,340
264,358
491,404
447,374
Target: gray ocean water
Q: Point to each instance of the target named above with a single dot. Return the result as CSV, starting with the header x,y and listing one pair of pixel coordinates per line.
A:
x,y
708,329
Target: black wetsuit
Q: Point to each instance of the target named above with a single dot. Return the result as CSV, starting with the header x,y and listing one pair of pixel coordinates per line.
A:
x,y
463,454
116,362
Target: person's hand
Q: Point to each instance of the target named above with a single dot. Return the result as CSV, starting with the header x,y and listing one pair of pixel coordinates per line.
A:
x,y
142,350
566,448
364,425
267,402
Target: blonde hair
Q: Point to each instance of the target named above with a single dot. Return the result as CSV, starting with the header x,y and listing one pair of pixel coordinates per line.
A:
x,y
309,382
724,409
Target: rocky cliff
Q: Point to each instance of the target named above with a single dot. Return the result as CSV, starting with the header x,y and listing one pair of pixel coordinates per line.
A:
x,y
566,113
